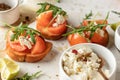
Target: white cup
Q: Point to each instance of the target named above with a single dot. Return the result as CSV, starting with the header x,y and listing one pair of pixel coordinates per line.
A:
x,y
117,37
11,15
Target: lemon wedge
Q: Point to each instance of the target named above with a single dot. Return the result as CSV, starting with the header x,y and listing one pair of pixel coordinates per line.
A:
x,y
8,68
115,25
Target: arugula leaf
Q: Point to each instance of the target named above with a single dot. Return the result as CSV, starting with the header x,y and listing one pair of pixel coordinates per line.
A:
x,y
90,27
88,16
23,29
106,17
29,77
47,6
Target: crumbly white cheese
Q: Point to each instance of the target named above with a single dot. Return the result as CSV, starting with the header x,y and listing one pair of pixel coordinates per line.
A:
x,y
79,69
59,20
55,24
25,42
100,31
84,50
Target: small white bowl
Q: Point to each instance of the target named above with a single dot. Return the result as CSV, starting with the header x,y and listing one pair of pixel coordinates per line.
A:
x,y
117,37
98,49
9,16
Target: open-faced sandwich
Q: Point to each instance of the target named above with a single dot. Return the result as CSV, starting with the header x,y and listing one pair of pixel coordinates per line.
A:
x,y
51,21
25,44
89,31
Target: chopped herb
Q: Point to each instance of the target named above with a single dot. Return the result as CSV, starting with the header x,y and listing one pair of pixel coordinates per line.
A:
x,y
88,16
47,6
29,77
23,29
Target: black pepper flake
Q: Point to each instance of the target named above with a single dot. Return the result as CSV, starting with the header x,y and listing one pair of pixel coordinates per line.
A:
x,y
38,66
57,75
27,18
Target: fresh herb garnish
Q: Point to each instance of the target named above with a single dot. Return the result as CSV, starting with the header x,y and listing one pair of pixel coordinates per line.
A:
x,y
47,6
90,27
84,28
29,77
88,16
56,10
118,13
23,29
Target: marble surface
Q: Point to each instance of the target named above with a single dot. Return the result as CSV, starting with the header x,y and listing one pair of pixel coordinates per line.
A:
x,y
76,10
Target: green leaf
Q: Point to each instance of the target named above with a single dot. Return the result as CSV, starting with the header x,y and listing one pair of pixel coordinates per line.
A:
x,y
26,76
32,38
88,16
12,38
90,27
106,17
52,7
24,29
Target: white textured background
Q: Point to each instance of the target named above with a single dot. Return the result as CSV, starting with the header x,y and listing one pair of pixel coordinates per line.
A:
x,y
76,10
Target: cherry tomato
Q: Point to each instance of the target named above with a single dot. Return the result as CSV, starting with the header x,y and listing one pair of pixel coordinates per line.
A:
x,y
17,47
102,40
76,38
39,46
45,26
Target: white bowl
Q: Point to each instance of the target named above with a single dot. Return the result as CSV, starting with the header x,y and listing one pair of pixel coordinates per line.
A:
x,y
98,49
9,16
117,37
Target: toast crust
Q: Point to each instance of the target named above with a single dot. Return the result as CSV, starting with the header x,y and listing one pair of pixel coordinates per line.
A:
x,y
27,57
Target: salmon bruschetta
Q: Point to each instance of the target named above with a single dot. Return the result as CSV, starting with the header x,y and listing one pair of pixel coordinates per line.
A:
x,y
25,44
89,31
51,21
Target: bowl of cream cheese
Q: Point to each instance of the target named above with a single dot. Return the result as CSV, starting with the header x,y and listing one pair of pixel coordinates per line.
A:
x,y
87,61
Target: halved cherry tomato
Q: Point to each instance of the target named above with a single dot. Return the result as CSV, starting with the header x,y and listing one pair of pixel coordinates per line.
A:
x,y
39,46
45,26
17,47
97,38
44,19
76,38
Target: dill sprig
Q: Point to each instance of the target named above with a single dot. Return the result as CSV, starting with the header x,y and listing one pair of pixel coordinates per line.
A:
x,y
29,77
23,29
47,6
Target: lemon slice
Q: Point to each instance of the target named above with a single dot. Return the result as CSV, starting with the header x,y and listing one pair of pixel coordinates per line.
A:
x,y
8,69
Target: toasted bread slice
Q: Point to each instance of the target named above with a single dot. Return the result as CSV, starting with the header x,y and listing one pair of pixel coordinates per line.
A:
x,y
27,57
